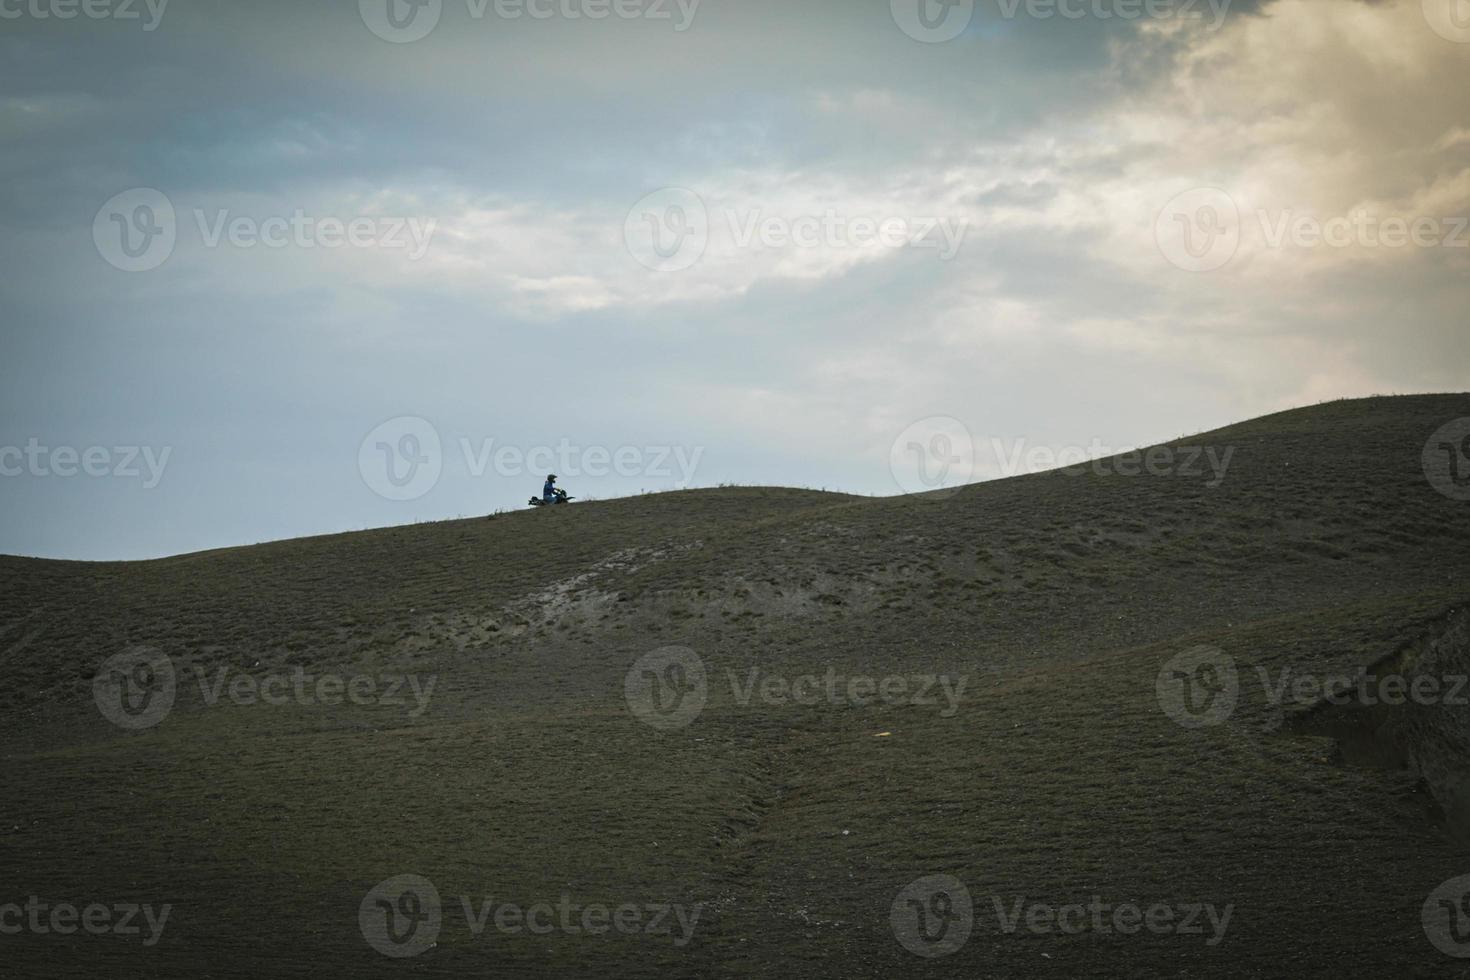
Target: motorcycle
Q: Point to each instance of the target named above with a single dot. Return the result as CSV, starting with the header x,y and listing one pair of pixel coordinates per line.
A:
x,y
561,498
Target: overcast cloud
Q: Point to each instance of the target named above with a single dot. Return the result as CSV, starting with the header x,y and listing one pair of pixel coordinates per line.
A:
x,y
748,242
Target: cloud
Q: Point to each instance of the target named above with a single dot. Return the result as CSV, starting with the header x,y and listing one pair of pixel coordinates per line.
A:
x,y
798,341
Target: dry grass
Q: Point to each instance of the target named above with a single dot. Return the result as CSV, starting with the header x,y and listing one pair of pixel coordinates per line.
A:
x,y
1058,776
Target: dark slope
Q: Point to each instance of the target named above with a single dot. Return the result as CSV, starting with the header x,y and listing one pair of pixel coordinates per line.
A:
x,y
1056,776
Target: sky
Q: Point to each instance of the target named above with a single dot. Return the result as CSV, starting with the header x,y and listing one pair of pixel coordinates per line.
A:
x,y
281,268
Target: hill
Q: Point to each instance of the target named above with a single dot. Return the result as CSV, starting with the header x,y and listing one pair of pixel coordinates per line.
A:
x,y
778,715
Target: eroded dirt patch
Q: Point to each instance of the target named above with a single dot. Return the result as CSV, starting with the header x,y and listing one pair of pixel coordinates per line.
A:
x,y
1410,710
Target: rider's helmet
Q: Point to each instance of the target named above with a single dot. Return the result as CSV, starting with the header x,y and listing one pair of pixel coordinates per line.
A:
x,y
550,476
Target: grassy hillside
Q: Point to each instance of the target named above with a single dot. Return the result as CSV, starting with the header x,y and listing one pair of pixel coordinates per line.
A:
x,y
1042,765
